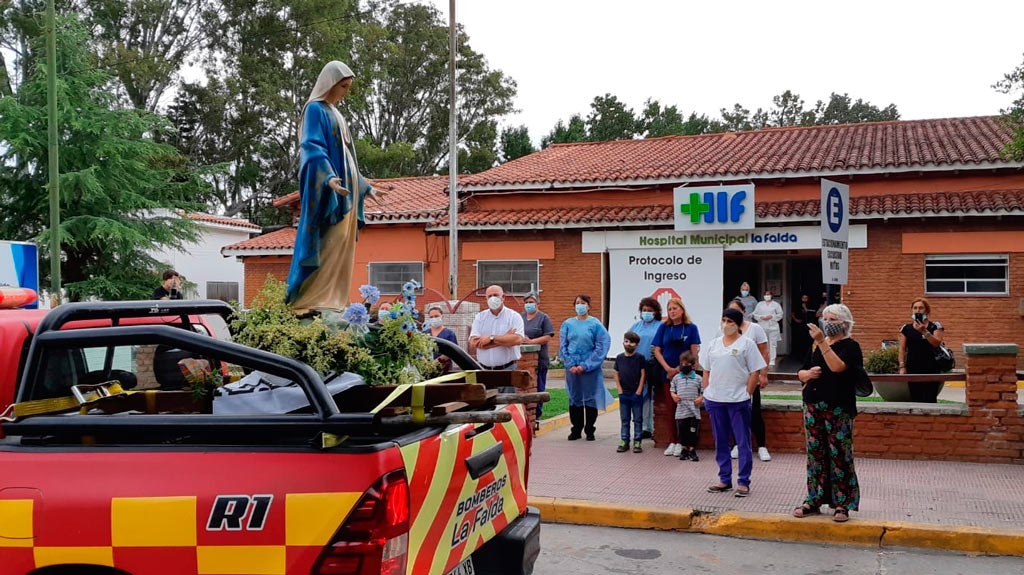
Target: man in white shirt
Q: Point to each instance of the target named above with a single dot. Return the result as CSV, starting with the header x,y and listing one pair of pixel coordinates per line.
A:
x,y
497,333
767,314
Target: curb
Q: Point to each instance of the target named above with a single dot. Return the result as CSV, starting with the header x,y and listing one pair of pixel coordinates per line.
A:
x,y
560,421
774,526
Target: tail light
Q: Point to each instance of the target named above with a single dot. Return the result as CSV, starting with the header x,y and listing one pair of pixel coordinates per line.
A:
x,y
374,539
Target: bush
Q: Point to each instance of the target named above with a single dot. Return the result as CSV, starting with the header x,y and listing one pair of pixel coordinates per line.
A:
x,y
883,361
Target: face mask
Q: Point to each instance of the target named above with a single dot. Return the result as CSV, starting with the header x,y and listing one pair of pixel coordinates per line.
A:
x,y
767,297
729,328
530,307
581,309
630,347
744,292
494,302
686,369
383,315
647,315
832,329
433,322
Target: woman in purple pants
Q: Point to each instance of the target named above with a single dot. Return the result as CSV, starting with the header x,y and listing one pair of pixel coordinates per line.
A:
x,y
731,364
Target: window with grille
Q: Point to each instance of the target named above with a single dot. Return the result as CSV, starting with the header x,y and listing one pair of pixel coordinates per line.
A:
x,y
389,277
515,277
224,291
967,274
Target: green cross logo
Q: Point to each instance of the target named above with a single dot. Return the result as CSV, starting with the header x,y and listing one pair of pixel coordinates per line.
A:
x,y
695,208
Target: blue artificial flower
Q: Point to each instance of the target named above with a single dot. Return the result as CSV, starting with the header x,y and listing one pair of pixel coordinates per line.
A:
x,y
370,294
408,326
416,314
356,314
410,286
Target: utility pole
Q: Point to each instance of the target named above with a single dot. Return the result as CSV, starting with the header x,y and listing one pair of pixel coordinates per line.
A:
x,y
54,176
453,162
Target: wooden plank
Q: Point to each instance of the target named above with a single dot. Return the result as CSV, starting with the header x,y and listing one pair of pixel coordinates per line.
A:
x,y
504,398
491,393
367,397
446,408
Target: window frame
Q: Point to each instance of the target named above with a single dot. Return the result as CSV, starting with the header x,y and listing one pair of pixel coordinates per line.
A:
x,y
422,278
480,284
935,259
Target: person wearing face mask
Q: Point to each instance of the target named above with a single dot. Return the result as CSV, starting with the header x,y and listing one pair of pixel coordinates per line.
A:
x,y
497,333
383,312
686,392
756,334
647,329
918,341
629,379
676,335
731,364
767,314
583,346
749,301
434,326
829,381
539,331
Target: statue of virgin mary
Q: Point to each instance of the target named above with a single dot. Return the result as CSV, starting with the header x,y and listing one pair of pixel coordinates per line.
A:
x,y
331,195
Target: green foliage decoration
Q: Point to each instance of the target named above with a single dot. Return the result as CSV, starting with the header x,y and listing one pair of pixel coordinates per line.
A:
x,y
882,361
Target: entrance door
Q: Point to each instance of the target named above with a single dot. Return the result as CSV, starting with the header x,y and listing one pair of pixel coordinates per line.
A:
x,y
774,278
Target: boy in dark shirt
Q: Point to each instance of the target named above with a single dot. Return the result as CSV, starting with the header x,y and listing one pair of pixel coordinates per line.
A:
x,y
629,378
170,288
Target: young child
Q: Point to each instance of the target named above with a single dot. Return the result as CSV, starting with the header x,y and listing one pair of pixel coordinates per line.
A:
x,y
686,392
629,378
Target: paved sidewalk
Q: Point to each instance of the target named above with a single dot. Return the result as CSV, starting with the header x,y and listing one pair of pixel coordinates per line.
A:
x,y
929,492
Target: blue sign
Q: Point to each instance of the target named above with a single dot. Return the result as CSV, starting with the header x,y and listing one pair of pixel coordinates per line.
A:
x,y
714,208
834,205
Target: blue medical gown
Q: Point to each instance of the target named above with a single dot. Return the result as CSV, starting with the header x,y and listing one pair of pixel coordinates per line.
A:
x,y
585,343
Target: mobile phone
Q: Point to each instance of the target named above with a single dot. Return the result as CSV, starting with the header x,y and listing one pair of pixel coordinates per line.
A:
x,y
919,317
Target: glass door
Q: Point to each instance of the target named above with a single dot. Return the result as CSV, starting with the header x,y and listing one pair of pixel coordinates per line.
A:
x,y
774,278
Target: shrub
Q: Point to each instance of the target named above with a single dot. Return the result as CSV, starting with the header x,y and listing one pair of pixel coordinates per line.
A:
x,y
883,361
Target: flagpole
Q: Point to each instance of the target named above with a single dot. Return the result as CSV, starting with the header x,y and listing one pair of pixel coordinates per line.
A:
x,y
453,157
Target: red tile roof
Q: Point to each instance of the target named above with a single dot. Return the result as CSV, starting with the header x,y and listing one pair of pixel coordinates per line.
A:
x,y
891,205
223,221
282,239
408,198
879,146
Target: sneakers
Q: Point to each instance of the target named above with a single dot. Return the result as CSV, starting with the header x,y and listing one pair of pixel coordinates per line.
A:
x,y
735,453
693,456
637,448
646,435
685,455
671,449
762,453
677,450
574,435
623,446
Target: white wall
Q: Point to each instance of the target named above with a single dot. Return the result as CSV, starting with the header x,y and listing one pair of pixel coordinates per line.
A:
x,y
201,262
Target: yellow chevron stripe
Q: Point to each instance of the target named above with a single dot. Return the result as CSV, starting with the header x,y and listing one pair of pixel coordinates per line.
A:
x,y
250,559
16,523
45,556
442,472
311,519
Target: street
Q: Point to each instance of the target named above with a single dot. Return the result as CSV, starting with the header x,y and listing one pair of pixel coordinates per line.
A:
x,y
584,550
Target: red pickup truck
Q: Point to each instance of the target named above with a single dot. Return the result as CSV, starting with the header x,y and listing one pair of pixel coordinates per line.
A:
x,y
318,490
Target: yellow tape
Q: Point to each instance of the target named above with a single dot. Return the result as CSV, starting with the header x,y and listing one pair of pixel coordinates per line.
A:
x,y
419,392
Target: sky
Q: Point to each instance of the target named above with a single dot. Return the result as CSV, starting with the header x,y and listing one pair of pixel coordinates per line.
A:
x,y
932,59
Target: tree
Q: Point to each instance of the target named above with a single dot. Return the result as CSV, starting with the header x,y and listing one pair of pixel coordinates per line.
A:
x,y
657,121
120,188
401,63
1013,84
610,119
481,150
575,131
146,42
739,119
841,109
515,143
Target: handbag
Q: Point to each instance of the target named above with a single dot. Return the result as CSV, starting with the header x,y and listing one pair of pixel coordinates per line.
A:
x,y
944,358
862,385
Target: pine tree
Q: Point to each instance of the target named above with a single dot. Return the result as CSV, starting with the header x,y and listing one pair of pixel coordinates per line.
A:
x,y
121,190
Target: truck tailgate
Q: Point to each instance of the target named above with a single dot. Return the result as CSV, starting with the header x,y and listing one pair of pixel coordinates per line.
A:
x,y
174,510
466,485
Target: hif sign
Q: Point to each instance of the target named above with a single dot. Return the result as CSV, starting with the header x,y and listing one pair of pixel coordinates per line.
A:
x,y
714,208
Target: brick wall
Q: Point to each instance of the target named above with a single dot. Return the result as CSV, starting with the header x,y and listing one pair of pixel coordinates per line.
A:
x,y
561,279
884,281
988,429
258,267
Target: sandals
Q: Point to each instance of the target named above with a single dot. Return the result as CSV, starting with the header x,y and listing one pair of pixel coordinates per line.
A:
x,y
720,488
806,510
840,515
742,492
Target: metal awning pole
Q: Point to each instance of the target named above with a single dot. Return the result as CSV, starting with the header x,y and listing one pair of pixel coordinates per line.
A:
x,y
453,163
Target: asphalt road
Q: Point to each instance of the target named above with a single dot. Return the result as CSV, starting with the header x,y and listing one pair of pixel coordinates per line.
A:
x,y
581,550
